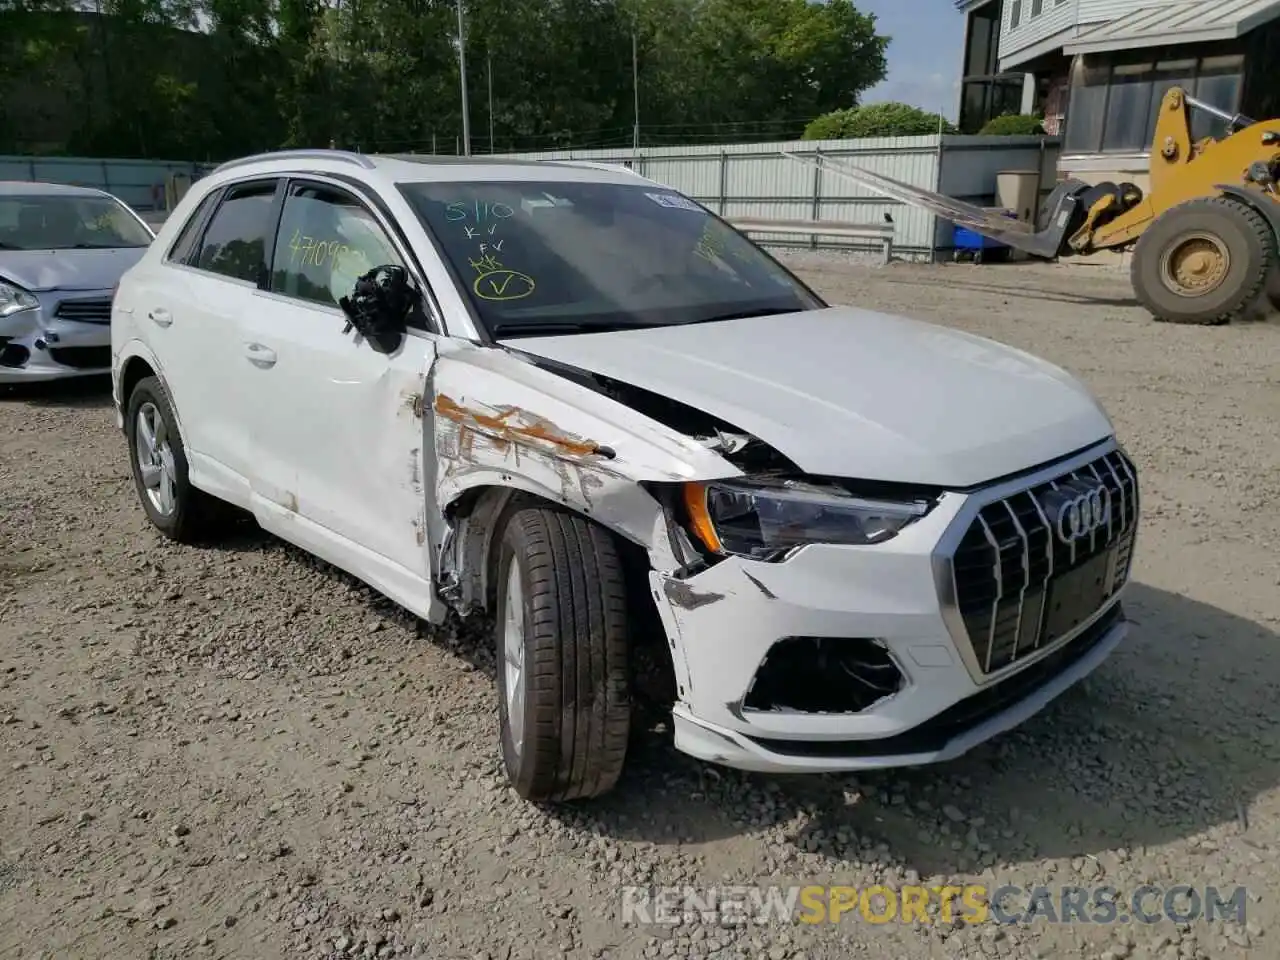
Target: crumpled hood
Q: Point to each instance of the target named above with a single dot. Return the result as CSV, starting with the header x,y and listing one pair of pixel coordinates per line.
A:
x,y
42,270
851,393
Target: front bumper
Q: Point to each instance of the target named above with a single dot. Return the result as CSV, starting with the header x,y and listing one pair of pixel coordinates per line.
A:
x,y
726,621
46,344
951,733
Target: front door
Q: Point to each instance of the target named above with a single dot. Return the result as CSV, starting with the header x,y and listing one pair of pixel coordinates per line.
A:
x,y
338,436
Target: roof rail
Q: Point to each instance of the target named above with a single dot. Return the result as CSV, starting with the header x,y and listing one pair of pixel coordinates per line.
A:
x,y
346,156
611,165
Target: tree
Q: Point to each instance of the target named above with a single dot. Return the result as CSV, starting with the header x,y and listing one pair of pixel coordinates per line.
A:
x,y
211,79
778,60
889,119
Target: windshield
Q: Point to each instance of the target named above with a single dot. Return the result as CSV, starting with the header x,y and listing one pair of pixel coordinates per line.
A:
x,y
545,257
65,223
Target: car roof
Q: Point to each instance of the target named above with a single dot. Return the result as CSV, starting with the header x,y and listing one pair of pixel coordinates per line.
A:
x,y
418,167
37,188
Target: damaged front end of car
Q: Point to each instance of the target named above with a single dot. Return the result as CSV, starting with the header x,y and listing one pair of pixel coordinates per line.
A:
x,y
696,503
507,427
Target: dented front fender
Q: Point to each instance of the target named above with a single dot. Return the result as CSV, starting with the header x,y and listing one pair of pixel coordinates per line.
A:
x,y
499,420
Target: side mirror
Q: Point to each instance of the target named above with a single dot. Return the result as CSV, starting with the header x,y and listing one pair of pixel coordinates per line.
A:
x,y
379,305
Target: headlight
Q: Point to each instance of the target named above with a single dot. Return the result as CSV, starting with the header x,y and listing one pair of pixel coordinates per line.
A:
x,y
15,300
766,520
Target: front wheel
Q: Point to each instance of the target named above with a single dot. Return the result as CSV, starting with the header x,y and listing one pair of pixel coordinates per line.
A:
x,y
1205,261
561,639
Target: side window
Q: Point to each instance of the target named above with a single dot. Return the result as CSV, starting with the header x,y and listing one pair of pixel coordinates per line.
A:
x,y
184,247
327,240
235,243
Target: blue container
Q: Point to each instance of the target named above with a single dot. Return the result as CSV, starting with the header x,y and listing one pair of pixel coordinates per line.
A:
x,y
962,238
970,245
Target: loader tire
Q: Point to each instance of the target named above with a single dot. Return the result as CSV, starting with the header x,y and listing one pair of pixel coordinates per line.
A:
x,y
1203,262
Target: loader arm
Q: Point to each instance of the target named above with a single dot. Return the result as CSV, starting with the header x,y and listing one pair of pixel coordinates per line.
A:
x,y
1080,218
1182,169
1014,233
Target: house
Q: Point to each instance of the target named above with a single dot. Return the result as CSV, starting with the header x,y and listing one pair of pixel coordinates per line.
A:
x,y
1096,70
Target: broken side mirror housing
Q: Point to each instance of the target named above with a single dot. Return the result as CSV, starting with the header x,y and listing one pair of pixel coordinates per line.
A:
x,y
379,305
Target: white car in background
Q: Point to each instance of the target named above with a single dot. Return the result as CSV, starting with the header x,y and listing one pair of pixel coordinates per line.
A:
x,y
575,398
62,251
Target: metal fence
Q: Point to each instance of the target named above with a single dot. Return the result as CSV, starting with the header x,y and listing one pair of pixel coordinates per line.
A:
x,y
755,181
738,181
139,183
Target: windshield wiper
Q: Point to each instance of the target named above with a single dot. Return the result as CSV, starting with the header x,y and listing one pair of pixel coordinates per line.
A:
x,y
536,328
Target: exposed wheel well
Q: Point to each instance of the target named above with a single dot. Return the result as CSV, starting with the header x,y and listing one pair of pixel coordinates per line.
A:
x,y
135,370
479,514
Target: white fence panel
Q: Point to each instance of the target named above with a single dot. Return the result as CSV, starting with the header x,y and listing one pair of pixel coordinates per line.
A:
x,y
755,180
139,183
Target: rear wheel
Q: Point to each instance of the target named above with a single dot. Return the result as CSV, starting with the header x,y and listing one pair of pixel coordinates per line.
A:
x,y
159,461
561,638
1203,262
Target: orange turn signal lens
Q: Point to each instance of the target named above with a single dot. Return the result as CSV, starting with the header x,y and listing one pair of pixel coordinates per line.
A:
x,y
695,503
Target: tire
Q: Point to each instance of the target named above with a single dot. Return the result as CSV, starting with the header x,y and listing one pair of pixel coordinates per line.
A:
x,y
1250,244
569,605
192,510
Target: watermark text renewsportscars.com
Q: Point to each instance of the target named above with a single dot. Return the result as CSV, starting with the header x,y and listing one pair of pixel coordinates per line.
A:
x,y
969,904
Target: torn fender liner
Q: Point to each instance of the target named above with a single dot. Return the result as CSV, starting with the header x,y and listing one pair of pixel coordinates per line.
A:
x,y
513,425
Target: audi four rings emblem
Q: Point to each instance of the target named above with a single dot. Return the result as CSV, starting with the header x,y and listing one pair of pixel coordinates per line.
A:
x,y
1081,516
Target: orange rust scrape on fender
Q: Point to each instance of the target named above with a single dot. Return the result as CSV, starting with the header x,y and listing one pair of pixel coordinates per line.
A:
x,y
512,425
503,425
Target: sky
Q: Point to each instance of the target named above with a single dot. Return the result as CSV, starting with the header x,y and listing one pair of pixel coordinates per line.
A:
x,y
924,54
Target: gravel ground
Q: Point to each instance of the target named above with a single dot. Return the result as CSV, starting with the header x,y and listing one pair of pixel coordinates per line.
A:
x,y
239,752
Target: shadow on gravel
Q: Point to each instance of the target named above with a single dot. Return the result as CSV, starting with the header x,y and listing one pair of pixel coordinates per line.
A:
x,y
1026,291
85,393
1174,735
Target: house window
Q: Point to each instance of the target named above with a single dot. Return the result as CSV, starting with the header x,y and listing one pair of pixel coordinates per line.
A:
x,y
985,92
987,98
984,45
1015,15
1037,6
1219,82
1114,103
1086,108
1124,127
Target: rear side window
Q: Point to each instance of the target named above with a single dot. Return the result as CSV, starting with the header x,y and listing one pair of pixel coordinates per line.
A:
x,y
184,247
327,240
235,243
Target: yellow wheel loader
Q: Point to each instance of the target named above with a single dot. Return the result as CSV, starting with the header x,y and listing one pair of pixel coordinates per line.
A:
x,y
1204,237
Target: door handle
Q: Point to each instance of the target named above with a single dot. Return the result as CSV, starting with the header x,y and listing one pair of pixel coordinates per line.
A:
x,y
259,355
161,317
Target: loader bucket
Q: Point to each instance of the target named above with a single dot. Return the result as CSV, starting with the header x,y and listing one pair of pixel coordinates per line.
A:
x,y
1018,234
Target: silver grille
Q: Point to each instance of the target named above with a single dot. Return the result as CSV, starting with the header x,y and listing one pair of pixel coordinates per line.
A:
x,y
85,310
1020,586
